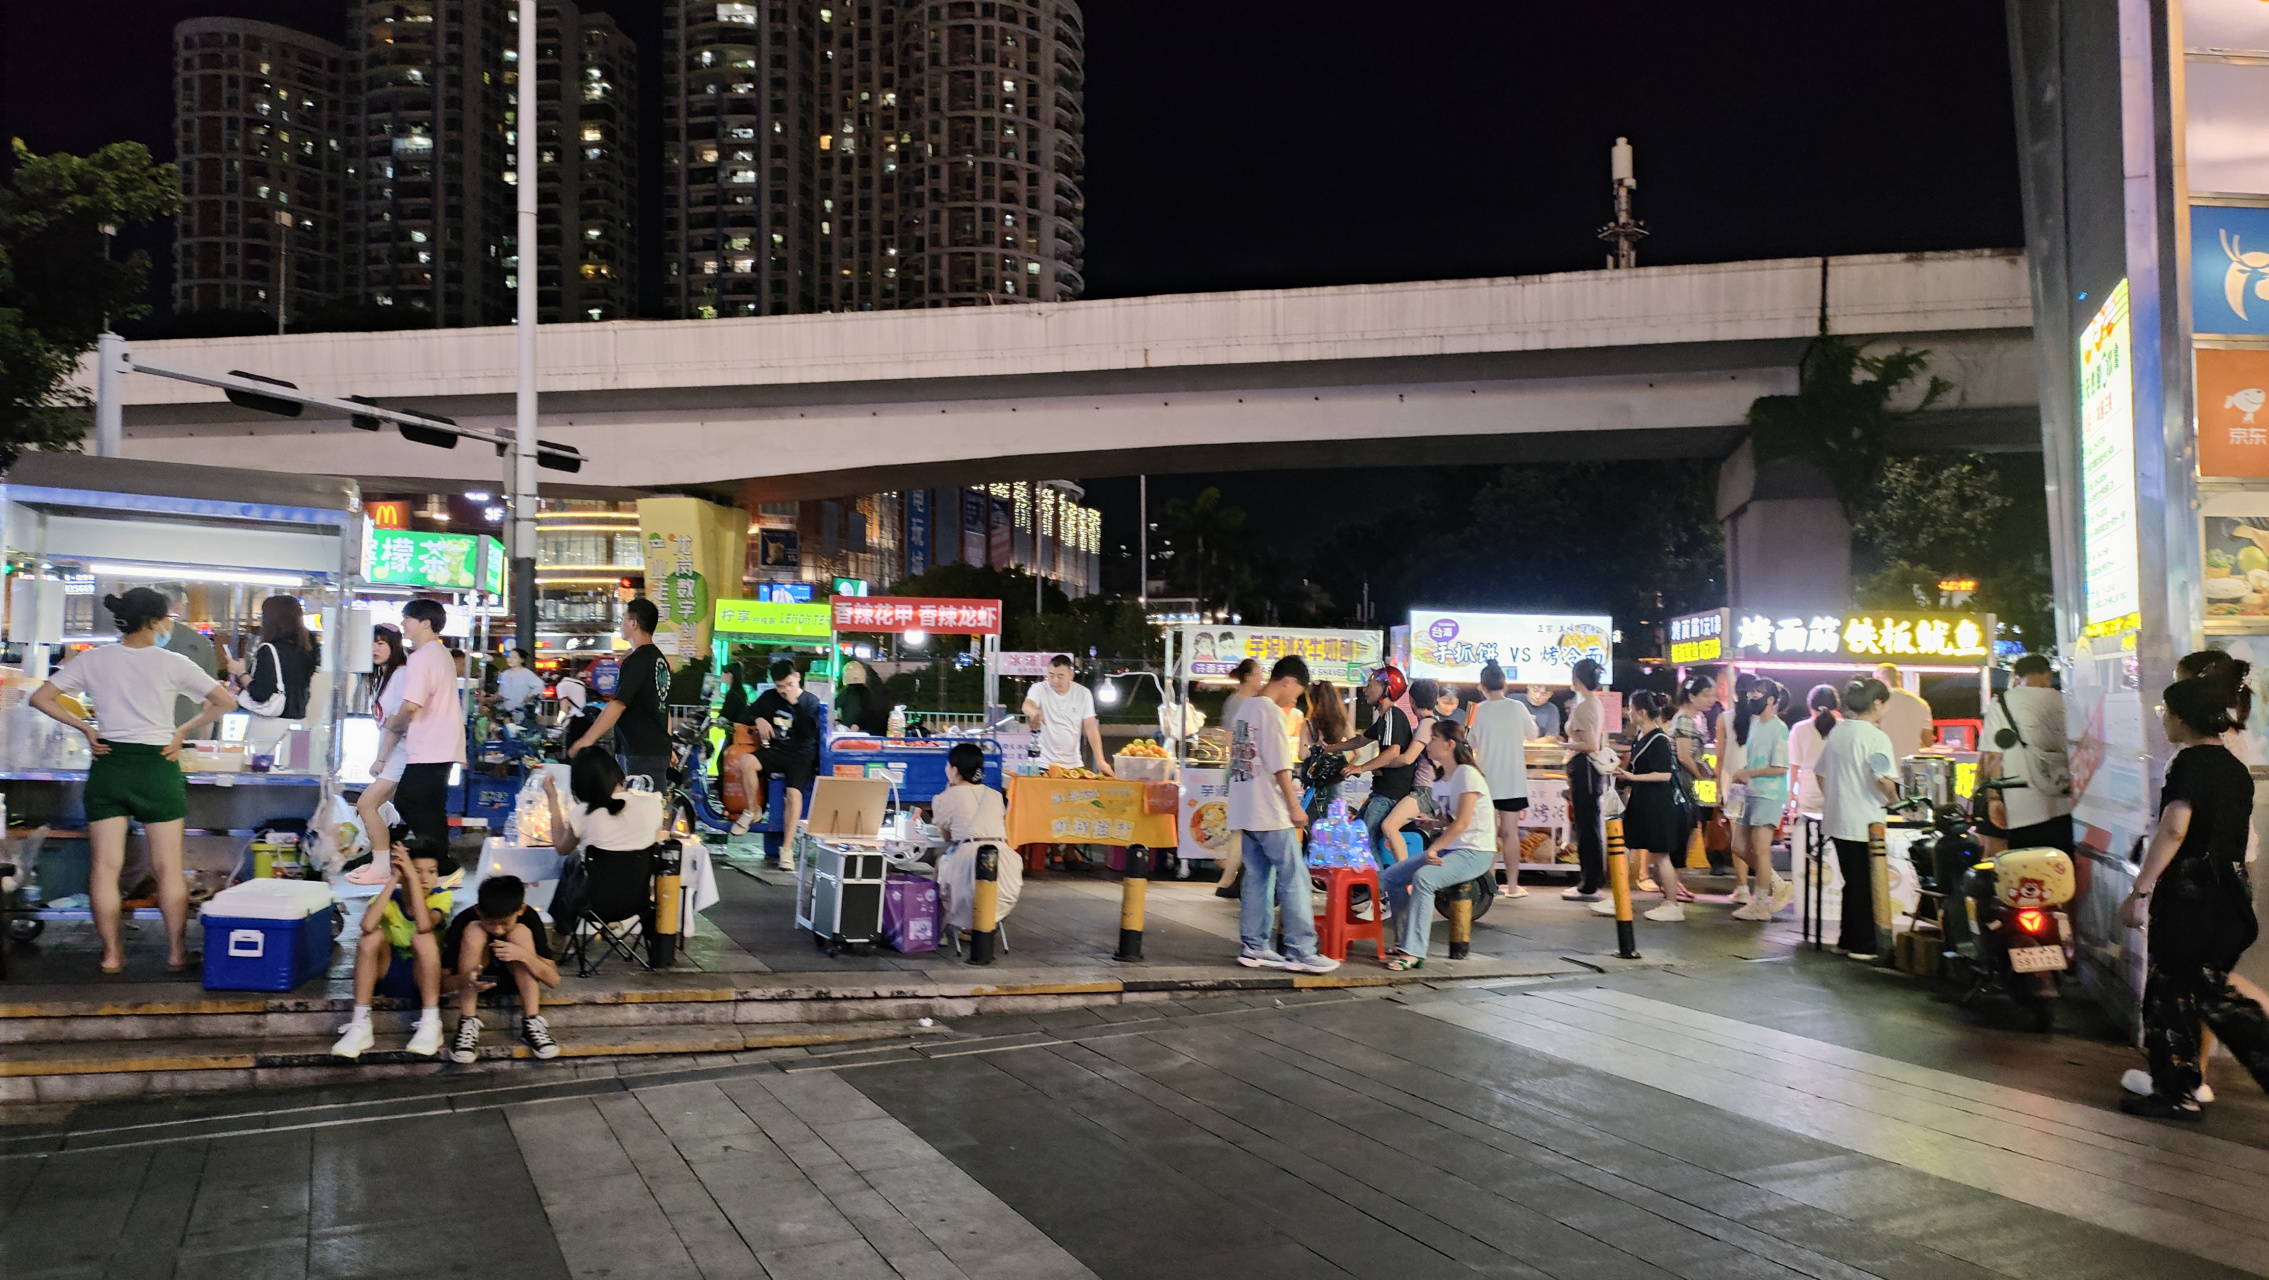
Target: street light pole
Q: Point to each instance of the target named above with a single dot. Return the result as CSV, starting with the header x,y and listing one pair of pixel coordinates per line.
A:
x,y
525,115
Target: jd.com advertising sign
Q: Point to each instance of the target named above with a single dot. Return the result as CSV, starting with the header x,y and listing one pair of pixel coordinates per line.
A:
x,y
1533,648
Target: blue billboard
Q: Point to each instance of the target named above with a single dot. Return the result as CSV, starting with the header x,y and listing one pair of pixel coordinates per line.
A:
x,y
2229,269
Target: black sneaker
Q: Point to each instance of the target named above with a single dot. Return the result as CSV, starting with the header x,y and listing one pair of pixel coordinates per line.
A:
x,y
537,1033
467,1047
1235,888
2156,1107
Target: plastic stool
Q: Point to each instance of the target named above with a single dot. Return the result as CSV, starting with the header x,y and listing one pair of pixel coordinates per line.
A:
x,y
1339,925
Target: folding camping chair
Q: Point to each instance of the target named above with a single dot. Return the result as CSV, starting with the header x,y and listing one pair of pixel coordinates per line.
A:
x,y
621,886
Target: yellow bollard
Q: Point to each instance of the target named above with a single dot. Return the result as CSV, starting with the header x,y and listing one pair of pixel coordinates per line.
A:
x,y
985,905
1134,887
1879,877
1461,918
662,948
1697,849
1619,883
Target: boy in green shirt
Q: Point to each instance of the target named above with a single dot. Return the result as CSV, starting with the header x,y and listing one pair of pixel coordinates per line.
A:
x,y
400,951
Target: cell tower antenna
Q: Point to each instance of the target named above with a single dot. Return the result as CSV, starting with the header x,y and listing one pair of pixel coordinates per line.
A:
x,y
1626,231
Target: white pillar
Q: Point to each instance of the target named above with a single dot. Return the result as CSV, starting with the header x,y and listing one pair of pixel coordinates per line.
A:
x,y
524,118
110,366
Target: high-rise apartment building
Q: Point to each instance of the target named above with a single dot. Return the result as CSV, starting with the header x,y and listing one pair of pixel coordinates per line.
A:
x,y
393,160
854,156
587,163
258,124
427,186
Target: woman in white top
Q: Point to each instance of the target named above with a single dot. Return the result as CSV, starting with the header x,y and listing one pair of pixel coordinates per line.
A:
x,y
1502,727
606,815
969,815
135,775
1463,851
1805,742
387,658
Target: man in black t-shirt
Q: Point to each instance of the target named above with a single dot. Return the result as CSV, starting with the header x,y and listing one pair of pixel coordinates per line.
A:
x,y
638,715
788,725
1392,777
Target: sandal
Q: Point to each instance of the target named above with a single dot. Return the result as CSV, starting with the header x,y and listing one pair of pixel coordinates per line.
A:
x,y
1401,962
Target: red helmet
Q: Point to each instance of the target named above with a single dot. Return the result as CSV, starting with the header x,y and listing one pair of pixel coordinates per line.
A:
x,y
1392,679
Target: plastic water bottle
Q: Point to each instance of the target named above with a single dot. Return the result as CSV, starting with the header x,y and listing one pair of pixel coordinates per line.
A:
x,y
898,721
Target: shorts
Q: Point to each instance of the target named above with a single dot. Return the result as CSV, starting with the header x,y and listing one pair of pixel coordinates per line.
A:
x,y
400,981
1515,805
135,780
1761,811
797,768
391,770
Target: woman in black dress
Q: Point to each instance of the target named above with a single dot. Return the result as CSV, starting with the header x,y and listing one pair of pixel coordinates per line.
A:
x,y
2194,894
1651,828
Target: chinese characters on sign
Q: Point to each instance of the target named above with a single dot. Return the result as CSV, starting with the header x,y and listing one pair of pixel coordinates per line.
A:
x,y
774,619
1885,636
1531,648
913,613
2110,552
441,561
1698,637
1342,656
2233,432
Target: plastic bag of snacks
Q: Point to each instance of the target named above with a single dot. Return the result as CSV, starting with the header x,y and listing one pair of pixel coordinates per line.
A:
x,y
1339,840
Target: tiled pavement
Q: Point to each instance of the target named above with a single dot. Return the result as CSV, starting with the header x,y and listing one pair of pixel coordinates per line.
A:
x,y
1657,1124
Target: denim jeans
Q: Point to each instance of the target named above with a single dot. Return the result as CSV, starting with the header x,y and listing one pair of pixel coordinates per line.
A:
x,y
1410,886
1375,811
1273,866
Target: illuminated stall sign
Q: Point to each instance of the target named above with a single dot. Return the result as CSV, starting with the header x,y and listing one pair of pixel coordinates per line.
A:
x,y
1932,639
1531,648
1699,637
917,613
437,561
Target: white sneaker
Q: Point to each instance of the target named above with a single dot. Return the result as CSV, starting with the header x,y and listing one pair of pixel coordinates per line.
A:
x,y
1312,964
2138,1082
1740,896
1668,913
1784,893
1262,959
427,1041
1755,911
742,823
1578,895
355,1042
1603,907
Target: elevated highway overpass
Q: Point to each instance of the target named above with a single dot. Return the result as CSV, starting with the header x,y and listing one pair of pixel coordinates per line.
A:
x,y
1653,362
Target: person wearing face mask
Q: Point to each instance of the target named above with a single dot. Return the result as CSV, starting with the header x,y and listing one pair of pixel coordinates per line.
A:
x,y
135,775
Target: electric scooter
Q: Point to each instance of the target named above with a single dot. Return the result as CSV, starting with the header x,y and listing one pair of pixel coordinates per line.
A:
x,y
2007,931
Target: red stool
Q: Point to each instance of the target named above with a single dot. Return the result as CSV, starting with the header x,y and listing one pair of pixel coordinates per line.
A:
x,y
1339,925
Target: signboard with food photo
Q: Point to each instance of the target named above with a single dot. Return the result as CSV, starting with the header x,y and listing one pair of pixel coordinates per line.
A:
x,y
2237,567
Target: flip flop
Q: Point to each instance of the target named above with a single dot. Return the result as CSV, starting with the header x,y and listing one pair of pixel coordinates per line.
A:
x,y
1403,964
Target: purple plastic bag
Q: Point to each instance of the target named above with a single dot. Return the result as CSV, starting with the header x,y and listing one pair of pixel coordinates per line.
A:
x,y
910,914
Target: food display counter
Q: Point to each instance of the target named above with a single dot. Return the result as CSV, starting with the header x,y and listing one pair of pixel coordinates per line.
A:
x,y
915,766
1113,811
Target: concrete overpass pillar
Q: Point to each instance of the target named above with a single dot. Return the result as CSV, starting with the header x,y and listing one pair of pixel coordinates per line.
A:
x,y
1787,543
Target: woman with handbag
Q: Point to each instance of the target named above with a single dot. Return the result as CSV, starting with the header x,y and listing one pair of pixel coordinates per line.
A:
x,y
282,669
2193,895
1650,814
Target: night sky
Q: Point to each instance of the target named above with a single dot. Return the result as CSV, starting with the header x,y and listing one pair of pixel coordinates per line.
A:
x,y
1264,144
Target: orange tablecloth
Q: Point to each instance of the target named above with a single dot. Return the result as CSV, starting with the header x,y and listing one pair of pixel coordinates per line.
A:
x,y
1084,811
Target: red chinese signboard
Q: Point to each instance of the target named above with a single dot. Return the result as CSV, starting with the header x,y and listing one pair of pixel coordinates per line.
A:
x,y
917,613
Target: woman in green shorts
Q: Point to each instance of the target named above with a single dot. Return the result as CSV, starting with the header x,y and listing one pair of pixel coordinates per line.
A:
x,y
136,773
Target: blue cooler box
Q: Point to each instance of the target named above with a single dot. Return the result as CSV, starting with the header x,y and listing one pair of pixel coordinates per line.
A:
x,y
268,935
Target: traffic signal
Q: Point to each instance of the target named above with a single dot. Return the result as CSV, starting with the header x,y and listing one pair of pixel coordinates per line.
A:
x,y
265,404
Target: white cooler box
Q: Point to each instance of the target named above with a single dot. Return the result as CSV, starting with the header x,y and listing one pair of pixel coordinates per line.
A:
x,y
267,935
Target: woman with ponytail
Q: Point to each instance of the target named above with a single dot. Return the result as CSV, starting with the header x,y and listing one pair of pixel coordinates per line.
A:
x,y
606,814
1764,775
1805,742
135,774
1463,851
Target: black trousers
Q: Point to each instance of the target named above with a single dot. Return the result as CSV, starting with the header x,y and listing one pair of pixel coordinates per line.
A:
x,y
1583,815
1853,858
422,798
2180,993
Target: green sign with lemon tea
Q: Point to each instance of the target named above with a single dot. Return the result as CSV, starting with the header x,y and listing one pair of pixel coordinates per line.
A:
x,y
434,561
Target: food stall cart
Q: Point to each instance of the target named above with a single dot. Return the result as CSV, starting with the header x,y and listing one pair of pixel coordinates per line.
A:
x,y
915,766
1532,648
101,525
1205,654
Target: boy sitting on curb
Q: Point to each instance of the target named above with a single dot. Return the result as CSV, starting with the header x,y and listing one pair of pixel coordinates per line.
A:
x,y
498,939
399,954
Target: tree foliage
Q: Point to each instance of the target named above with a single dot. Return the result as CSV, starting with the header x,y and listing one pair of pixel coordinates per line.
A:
x,y
1936,517
58,283
1207,548
1841,416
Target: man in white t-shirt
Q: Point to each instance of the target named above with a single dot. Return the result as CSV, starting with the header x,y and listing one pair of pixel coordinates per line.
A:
x,y
2024,740
1859,775
1502,727
1265,812
1061,712
1906,717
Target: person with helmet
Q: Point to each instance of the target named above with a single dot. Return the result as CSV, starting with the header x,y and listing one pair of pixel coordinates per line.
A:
x,y
1395,767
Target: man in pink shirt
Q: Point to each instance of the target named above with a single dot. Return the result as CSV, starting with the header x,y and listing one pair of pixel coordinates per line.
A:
x,y
430,722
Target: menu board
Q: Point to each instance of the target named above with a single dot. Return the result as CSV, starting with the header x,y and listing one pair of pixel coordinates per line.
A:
x,y
2112,558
